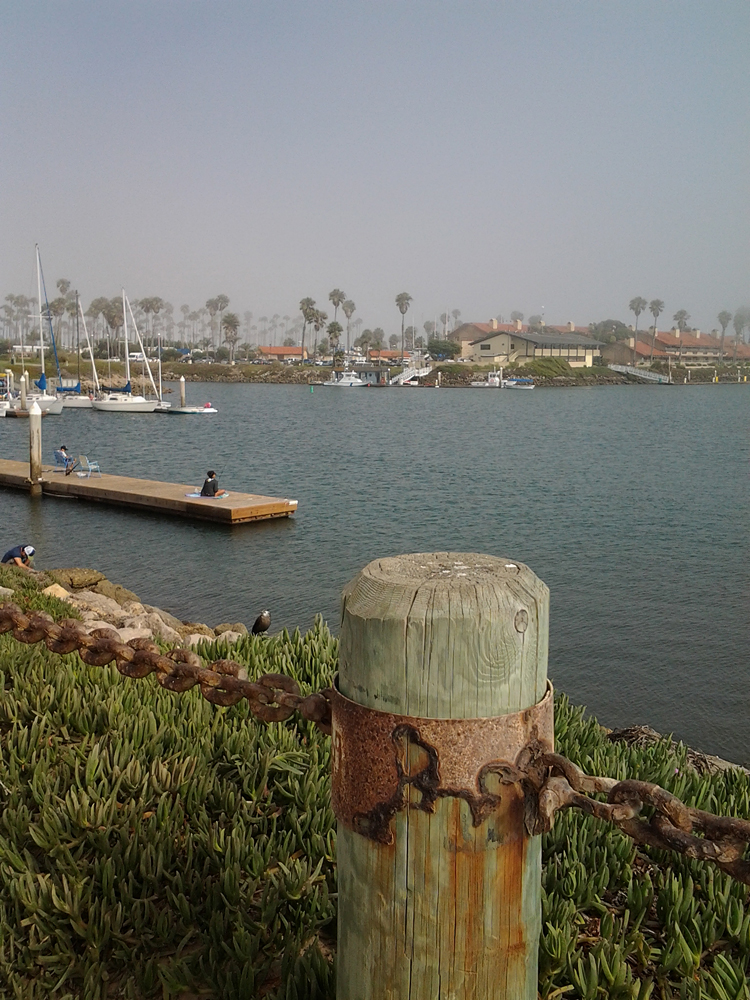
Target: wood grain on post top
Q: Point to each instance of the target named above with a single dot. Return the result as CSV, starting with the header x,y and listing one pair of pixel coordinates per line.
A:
x,y
445,635
449,911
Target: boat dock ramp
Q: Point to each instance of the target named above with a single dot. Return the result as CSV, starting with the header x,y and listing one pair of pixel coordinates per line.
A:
x,y
149,494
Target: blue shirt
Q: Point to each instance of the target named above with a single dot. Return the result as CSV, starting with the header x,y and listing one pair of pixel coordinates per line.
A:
x,y
16,553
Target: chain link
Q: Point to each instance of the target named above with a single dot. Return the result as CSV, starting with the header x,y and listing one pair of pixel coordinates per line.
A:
x,y
272,698
550,781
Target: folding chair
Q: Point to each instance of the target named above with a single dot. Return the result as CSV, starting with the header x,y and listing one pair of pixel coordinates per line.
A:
x,y
88,467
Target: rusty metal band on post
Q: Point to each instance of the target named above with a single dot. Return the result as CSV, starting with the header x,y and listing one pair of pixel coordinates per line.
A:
x,y
377,756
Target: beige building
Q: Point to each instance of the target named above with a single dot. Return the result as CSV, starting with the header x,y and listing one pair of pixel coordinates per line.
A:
x,y
500,343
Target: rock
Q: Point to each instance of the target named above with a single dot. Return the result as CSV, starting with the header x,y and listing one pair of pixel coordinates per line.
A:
x,y
135,608
196,638
196,628
114,591
96,602
126,634
230,636
94,623
76,578
160,628
55,590
165,616
6,592
237,627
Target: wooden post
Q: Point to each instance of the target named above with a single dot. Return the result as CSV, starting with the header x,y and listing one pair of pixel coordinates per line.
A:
x,y
22,385
182,390
450,910
35,449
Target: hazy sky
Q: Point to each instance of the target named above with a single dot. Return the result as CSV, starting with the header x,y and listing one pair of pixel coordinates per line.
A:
x,y
481,156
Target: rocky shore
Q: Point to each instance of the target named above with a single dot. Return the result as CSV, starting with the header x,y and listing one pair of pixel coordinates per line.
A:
x,y
99,603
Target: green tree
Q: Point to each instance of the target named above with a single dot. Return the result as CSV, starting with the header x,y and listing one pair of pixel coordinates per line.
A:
x,y
393,340
152,307
230,324
212,305
222,301
337,298
403,301
442,349
349,308
636,305
740,321
290,342
535,321
656,308
515,316
334,334
318,322
681,318
323,347
113,317
377,338
307,308
724,318
609,331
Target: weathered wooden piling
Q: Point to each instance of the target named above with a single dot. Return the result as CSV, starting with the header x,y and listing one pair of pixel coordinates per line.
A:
x,y
182,390
22,385
35,450
439,884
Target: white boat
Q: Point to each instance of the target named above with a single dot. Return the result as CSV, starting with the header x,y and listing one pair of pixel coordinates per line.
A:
x,y
518,383
71,391
494,380
348,380
77,401
125,401
207,408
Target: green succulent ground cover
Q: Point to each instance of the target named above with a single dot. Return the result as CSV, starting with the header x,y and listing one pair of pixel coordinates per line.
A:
x,y
152,845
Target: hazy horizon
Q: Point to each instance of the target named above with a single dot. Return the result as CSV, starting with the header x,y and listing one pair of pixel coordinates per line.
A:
x,y
549,158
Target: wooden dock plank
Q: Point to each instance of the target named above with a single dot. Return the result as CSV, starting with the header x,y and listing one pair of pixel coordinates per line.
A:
x,y
150,494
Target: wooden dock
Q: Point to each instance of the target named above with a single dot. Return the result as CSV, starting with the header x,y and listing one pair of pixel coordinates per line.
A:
x,y
150,495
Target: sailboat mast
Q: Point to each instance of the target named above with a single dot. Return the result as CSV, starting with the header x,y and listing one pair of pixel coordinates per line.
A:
x,y
78,343
91,350
125,335
39,293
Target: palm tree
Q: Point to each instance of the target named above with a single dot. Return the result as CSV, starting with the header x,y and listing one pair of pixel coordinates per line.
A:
x,y
681,318
222,301
349,308
318,322
403,301
334,335
231,327
724,318
213,307
740,321
337,297
307,308
656,308
637,305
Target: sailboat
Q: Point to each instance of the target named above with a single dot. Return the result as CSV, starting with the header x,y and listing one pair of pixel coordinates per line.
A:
x,y
125,401
47,402
72,395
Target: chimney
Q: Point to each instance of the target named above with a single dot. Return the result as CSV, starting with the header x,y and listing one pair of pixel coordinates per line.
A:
x,y
519,325
494,324
571,326
631,342
697,334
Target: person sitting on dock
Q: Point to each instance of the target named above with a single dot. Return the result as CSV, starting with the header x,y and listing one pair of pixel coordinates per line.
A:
x,y
70,462
211,486
21,555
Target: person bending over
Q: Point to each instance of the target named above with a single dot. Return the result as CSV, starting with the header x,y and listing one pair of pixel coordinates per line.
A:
x,y
211,485
21,556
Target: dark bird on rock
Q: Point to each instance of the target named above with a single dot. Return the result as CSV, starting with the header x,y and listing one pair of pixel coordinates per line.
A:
x,y
262,623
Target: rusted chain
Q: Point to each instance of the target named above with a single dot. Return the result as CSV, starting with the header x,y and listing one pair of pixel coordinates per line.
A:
x,y
272,698
672,826
550,782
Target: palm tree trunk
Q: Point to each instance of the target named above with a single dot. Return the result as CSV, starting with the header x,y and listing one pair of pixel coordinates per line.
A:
x,y
403,317
653,341
635,340
302,347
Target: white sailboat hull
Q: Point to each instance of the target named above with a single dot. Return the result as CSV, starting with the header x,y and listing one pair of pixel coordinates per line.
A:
x,y
123,402
46,403
77,402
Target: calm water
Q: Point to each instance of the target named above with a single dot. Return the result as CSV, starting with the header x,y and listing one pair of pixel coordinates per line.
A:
x,y
630,502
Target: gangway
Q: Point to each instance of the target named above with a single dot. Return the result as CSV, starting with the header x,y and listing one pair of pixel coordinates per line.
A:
x,y
408,374
643,373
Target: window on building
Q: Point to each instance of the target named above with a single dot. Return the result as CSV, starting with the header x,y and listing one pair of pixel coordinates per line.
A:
x,y
486,347
512,347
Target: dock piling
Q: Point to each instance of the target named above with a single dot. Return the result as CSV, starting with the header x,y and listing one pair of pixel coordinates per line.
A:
x,y
35,449
182,390
442,668
22,384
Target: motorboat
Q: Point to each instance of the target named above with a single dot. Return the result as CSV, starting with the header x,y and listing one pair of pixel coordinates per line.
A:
x,y
494,380
349,380
206,408
518,383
